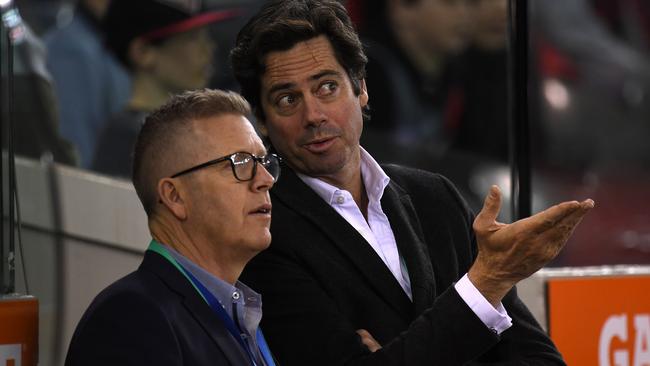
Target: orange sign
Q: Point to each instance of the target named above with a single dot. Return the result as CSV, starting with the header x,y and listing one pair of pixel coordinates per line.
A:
x,y
603,321
18,331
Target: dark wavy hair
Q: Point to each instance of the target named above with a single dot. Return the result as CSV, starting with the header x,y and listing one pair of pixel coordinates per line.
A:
x,y
281,24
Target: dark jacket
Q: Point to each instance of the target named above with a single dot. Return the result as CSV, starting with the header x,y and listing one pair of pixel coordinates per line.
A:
x,y
321,281
153,317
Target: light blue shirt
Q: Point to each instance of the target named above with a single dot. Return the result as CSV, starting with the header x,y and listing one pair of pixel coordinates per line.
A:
x,y
242,304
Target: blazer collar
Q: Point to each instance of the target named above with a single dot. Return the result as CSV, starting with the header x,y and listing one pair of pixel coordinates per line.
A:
x,y
294,193
409,236
195,304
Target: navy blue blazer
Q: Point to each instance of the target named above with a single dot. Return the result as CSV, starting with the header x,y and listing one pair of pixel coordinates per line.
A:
x,y
321,281
153,316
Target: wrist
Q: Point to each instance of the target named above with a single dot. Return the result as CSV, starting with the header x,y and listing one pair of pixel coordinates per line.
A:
x,y
491,287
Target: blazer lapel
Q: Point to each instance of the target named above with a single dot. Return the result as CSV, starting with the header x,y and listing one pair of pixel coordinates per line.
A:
x,y
199,309
404,221
294,193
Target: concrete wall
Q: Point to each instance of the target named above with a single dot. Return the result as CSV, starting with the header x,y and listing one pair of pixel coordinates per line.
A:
x,y
80,232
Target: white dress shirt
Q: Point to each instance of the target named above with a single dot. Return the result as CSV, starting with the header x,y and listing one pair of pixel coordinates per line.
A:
x,y
379,234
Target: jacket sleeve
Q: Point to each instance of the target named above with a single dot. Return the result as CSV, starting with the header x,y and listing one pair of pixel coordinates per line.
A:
x,y
304,326
525,343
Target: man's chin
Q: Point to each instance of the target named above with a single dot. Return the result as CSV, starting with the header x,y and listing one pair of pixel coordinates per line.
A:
x,y
323,167
263,243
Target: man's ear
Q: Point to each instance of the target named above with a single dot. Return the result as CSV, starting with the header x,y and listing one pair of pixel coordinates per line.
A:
x,y
170,196
141,53
363,93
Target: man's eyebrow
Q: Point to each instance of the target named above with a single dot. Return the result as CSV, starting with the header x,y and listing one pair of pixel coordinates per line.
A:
x,y
282,86
325,73
321,74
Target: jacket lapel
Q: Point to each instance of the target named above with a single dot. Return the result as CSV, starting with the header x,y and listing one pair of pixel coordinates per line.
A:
x,y
404,221
195,304
296,195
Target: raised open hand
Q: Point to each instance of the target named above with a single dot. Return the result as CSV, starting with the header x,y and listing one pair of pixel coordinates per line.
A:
x,y
508,253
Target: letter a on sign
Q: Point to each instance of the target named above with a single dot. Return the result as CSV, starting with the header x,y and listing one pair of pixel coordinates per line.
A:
x,y
642,340
10,355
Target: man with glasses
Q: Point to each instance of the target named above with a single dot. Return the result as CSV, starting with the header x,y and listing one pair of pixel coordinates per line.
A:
x,y
388,249
203,177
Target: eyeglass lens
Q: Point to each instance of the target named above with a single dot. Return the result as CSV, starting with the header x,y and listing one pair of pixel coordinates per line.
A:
x,y
244,165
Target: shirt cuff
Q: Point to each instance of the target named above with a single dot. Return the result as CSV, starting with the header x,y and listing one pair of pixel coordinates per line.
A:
x,y
496,319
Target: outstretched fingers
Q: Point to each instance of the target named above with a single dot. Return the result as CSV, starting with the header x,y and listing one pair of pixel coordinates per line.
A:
x,y
567,224
554,215
552,237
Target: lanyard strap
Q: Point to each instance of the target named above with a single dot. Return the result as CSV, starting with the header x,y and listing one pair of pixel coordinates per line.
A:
x,y
264,348
223,315
216,306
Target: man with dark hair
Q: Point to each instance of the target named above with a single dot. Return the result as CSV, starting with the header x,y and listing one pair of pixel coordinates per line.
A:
x,y
208,217
391,250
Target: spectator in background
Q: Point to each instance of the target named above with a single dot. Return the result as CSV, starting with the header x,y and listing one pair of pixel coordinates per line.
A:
x,y
409,44
413,49
224,34
482,129
168,49
88,82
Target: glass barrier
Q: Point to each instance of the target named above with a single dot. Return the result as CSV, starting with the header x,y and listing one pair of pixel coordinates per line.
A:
x,y
590,68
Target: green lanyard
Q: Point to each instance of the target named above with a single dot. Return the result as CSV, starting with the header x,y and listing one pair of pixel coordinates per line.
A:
x,y
155,246
216,306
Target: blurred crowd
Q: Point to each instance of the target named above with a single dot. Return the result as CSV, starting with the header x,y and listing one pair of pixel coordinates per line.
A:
x,y
437,78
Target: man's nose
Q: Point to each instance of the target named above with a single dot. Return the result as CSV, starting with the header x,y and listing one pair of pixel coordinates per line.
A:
x,y
263,180
314,113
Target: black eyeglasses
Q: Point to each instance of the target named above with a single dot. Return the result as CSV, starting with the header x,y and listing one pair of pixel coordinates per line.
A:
x,y
243,164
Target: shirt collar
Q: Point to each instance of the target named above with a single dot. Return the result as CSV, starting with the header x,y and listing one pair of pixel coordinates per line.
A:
x,y
374,179
226,293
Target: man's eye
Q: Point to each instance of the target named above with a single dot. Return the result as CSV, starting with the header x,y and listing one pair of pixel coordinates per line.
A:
x,y
286,101
327,88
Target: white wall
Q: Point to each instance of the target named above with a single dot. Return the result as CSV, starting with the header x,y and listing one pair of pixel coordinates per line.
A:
x,y
95,235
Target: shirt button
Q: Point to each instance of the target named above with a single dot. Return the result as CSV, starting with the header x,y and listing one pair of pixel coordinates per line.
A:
x,y
235,295
340,199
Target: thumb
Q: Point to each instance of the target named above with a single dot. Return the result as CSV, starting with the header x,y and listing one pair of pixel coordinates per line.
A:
x,y
491,208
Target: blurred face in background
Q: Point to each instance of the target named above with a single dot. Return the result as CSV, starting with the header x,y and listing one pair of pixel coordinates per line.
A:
x,y
441,26
184,61
489,23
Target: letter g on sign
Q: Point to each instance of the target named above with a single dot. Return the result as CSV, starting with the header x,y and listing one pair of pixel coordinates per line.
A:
x,y
10,355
